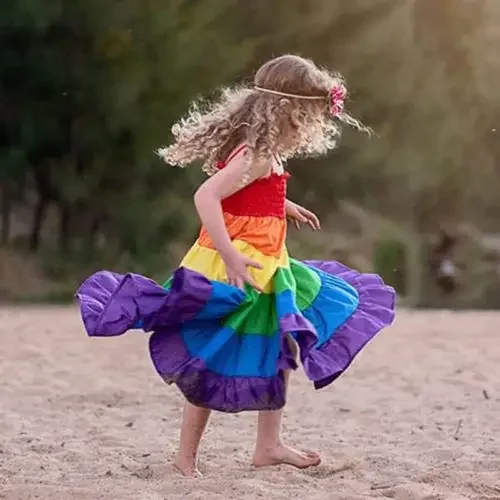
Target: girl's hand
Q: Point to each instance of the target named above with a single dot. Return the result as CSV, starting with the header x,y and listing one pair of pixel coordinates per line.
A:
x,y
237,266
300,215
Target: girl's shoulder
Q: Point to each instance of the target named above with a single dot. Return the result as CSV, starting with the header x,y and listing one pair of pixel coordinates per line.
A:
x,y
256,169
241,151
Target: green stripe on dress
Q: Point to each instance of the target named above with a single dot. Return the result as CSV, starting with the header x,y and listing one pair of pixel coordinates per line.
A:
x,y
309,283
283,279
256,316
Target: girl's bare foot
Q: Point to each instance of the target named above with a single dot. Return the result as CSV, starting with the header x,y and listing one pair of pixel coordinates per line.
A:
x,y
186,468
282,454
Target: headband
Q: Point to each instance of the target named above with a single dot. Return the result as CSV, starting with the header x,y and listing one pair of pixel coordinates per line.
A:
x,y
336,97
284,94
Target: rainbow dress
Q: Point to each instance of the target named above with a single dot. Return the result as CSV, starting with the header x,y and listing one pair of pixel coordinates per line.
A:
x,y
224,348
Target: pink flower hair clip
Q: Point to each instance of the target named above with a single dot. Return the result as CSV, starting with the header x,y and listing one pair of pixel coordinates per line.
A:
x,y
336,98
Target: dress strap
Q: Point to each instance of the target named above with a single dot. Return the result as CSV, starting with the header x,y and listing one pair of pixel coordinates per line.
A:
x,y
234,154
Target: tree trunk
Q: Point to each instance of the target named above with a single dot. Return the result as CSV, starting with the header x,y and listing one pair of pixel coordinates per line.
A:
x,y
21,190
39,218
64,227
6,208
92,236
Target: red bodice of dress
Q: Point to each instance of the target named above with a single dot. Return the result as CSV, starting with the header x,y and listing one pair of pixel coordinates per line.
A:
x,y
262,198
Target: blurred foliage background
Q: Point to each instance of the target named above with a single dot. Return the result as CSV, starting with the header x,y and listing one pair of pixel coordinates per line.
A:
x,y
89,89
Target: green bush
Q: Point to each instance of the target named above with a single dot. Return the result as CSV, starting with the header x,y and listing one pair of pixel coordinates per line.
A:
x,y
389,261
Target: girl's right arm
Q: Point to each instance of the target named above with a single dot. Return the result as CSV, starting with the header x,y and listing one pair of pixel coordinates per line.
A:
x,y
208,200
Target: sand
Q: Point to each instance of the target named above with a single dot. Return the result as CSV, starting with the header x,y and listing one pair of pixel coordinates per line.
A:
x,y
416,417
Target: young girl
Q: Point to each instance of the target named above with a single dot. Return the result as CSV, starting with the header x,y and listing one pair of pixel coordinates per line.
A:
x,y
230,323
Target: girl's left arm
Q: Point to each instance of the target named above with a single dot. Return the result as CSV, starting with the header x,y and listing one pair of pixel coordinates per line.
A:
x,y
288,205
300,215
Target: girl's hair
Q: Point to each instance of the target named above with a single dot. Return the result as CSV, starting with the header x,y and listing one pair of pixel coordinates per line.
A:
x,y
286,113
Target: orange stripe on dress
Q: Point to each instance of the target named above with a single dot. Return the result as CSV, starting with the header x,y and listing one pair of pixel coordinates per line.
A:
x,y
266,234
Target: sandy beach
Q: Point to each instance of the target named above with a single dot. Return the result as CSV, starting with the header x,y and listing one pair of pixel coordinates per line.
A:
x,y
417,417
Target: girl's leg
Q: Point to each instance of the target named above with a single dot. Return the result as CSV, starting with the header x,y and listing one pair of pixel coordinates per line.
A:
x,y
194,421
269,449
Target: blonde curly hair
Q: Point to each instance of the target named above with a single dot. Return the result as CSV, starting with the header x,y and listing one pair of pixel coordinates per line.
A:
x,y
270,123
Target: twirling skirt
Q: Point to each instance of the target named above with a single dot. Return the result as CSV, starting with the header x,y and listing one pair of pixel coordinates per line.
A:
x,y
225,348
